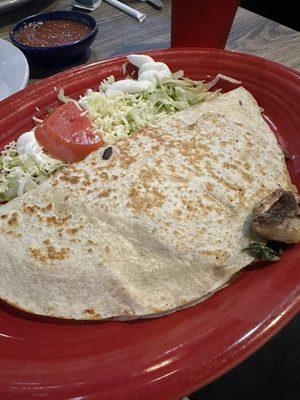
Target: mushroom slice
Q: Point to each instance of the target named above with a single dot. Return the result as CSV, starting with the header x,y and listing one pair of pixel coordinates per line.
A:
x,y
277,217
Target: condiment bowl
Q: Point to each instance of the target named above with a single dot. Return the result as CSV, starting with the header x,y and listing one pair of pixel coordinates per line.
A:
x,y
62,53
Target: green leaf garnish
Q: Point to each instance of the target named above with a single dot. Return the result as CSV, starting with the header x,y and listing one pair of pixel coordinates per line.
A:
x,y
264,251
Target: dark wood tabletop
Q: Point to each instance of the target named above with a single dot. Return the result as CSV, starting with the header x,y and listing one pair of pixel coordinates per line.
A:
x,y
119,33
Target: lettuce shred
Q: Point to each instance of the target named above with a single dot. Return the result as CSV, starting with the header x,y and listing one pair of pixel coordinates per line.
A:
x,y
116,114
20,173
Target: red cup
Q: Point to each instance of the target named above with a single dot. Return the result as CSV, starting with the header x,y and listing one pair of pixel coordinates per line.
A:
x,y
202,23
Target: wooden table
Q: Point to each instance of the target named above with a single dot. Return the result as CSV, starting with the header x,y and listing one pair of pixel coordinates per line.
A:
x,y
119,33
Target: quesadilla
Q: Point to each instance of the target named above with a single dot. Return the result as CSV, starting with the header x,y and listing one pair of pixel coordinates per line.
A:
x,y
155,225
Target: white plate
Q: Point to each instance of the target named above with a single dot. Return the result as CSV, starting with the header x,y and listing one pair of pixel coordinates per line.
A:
x,y
6,5
14,69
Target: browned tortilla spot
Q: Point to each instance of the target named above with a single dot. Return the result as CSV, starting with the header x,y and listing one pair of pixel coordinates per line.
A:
x,y
72,231
91,312
13,219
29,209
56,221
13,233
49,253
142,202
209,186
104,193
73,179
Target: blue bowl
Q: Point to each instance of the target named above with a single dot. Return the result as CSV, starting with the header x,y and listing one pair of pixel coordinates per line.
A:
x,y
57,54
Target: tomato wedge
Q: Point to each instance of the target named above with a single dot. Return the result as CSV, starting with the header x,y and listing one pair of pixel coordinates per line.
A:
x,y
68,135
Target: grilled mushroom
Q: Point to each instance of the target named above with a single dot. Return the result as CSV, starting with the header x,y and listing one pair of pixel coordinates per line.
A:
x,y
277,217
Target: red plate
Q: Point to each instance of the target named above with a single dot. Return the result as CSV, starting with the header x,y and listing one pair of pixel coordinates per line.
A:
x,y
168,357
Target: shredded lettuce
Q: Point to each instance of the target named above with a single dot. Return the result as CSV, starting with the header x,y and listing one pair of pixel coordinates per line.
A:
x,y
20,173
178,94
116,114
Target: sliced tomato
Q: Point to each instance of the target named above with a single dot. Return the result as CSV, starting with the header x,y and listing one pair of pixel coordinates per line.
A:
x,y
68,135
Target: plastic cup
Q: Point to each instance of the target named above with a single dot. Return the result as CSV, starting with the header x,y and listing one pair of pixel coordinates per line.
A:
x,y
202,23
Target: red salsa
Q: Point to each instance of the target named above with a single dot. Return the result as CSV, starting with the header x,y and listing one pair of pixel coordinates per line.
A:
x,y
52,32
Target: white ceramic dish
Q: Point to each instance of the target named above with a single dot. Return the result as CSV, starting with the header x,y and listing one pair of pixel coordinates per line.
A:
x,y
6,5
14,69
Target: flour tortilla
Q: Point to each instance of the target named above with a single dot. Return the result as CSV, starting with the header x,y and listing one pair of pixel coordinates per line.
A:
x,y
157,227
